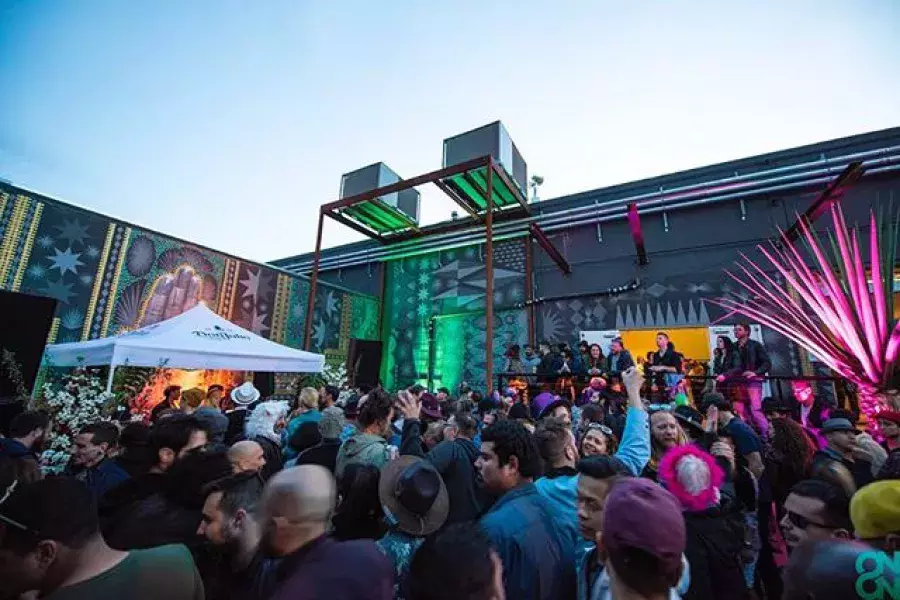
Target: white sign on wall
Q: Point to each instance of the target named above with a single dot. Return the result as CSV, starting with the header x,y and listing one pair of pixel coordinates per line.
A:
x,y
603,338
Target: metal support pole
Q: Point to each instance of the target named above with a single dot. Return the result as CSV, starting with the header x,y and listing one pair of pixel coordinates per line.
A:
x,y
313,281
489,280
529,288
109,380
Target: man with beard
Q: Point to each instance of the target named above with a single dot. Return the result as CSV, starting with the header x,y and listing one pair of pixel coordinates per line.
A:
x,y
295,509
27,435
231,524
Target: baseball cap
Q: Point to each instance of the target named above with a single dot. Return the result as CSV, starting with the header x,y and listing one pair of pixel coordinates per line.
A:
x,y
875,509
641,514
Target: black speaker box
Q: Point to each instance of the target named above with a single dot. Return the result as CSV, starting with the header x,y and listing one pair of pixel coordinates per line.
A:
x,y
25,323
265,383
364,362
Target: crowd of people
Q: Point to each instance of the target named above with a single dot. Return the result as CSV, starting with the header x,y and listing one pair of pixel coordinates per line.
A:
x,y
345,494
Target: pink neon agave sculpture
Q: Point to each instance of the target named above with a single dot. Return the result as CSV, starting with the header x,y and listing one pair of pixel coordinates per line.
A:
x,y
834,308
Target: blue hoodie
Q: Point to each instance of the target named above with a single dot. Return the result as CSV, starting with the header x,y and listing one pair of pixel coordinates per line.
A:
x,y
561,485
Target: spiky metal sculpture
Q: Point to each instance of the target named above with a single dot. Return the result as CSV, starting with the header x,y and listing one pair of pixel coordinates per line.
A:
x,y
835,309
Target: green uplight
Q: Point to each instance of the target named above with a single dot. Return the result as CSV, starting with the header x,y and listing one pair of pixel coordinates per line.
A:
x,y
379,217
472,187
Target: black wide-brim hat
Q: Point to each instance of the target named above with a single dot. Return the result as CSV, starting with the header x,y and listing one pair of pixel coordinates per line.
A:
x,y
405,519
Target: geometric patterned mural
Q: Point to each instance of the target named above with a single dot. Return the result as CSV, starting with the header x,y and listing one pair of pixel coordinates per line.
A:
x,y
434,315
110,277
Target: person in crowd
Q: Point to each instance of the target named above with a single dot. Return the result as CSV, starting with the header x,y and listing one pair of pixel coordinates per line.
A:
x,y
351,416
325,452
596,476
171,402
51,546
28,433
559,408
369,446
214,421
551,361
643,540
665,434
751,364
827,570
875,513
714,523
815,510
170,440
191,400
295,508
173,514
415,503
619,359
558,450
231,523
514,360
134,455
244,399
889,424
538,556
304,437
530,360
214,394
328,396
454,460
598,440
90,453
263,426
748,445
725,359
662,362
843,462
788,457
359,514
476,574
246,456
307,412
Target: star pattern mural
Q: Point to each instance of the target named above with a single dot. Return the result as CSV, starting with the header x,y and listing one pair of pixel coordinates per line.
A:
x,y
109,277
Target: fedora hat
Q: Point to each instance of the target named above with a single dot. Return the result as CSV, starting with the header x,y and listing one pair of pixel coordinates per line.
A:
x,y
245,394
413,495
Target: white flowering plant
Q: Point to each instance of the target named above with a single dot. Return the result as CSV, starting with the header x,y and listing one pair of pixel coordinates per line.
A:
x,y
335,375
80,400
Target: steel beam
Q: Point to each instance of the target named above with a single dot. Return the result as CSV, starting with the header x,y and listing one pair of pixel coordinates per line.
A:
x,y
489,283
313,281
538,234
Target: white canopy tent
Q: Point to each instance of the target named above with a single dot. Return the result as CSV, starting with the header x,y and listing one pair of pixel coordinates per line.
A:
x,y
196,339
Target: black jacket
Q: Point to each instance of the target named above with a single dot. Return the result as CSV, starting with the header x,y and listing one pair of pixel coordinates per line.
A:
x,y
324,453
714,542
752,358
828,465
456,463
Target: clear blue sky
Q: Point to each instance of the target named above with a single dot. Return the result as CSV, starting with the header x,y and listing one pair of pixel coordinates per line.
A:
x,y
229,122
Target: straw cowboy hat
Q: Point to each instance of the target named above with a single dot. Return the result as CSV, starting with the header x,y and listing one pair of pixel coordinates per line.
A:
x,y
413,495
245,394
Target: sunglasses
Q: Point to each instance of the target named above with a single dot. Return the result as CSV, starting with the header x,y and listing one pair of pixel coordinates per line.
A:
x,y
601,427
802,522
660,408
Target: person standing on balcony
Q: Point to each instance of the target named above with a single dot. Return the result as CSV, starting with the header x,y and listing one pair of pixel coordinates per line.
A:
x,y
751,365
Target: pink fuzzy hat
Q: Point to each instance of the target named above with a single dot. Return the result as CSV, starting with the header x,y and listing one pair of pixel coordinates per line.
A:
x,y
692,476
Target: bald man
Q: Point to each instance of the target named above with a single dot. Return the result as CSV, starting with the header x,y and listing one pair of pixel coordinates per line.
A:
x,y
246,455
296,506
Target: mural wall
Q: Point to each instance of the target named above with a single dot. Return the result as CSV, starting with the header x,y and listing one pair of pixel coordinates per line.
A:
x,y
434,325
110,277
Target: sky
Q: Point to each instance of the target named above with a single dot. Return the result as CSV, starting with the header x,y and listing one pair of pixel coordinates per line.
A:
x,y
228,123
